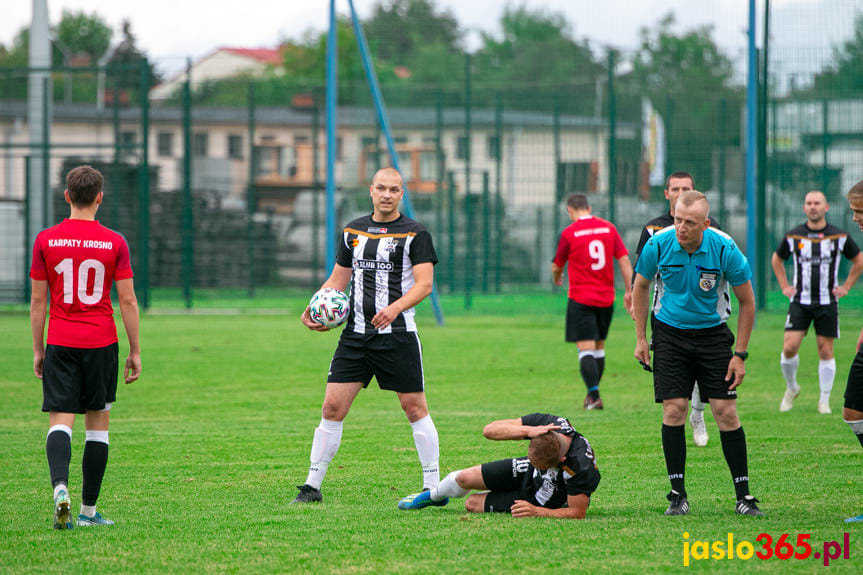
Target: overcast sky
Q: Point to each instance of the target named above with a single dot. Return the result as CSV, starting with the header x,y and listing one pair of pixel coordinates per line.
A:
x,y
170,31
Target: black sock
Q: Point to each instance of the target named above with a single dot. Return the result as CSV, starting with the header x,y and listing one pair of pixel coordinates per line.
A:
x,y
734,449
58,448
590,375
860,439
674,447
93,467
600,366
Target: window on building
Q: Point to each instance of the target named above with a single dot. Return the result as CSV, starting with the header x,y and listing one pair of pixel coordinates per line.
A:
x,y
400,140
492,147
201,144
461,148
235,146
165,144
301,139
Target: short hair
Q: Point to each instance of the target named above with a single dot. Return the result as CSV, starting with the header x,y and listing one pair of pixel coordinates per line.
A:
x,y
856,191
679,175
544,450
692,197
577,202
389,171
83,183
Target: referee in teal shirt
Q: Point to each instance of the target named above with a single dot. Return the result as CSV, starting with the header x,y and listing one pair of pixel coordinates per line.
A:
x,y
691,341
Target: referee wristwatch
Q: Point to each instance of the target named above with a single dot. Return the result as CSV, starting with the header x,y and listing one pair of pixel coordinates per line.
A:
x,y
743,355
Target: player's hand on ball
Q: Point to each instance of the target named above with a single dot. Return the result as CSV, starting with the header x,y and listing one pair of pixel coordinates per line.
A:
x,y
310,323
522,508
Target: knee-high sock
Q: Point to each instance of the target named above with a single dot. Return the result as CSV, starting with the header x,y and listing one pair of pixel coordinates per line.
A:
x,y
428,450
589,372
674,448
328,436
448,487
857,428
697,404
789,370
58,449
826,375
93,465
734,449
599,354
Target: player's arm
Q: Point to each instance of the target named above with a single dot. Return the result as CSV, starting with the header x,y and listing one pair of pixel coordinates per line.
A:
x,y
556,274
38,312
626,270
504,429
779,270
745,321
576,508
640,304
853,274
129,312
338,279
423,282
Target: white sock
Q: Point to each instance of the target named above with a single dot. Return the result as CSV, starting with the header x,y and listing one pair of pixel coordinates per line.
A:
x,y
697,405
428,450
449,487
58,487
328,436
789,370
88,510
826,374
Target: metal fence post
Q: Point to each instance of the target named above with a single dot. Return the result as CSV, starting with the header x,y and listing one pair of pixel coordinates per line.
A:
x,y
187,219
144,189
251,199
451,235
486,231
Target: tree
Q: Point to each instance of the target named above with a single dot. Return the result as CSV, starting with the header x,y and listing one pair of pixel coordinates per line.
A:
x,y
846,74
84,33
399,29
126,61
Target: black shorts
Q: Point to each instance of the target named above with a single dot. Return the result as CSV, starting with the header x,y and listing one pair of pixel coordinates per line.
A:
x,y
394,359
683,356
825,318
78,380
854,387
586,322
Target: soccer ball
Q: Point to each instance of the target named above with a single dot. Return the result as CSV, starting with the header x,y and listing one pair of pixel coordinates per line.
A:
x,y
329,307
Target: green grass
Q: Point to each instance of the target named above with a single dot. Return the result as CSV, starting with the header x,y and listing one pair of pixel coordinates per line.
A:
x,y
207,448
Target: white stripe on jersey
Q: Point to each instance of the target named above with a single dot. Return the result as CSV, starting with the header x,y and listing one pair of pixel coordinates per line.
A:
x,y
546,490
358,287
408,282
382,282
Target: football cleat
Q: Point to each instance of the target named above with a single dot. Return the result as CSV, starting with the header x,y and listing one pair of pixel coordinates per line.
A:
x,y
857,519
84,521
62,514
699,430
824,407
788,399
590,403
308,494
747,506
420,500
677,504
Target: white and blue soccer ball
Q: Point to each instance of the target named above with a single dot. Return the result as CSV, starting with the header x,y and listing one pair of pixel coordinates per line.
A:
x,y
329,307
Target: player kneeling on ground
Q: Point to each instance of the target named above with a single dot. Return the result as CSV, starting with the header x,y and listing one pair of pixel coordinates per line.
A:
x,y
556,478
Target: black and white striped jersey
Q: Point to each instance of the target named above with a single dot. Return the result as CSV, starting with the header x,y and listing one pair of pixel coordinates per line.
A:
x,y
382,256
816,261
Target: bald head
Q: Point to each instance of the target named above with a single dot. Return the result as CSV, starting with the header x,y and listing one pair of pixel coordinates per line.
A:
x,y
389,174
691,219
815,207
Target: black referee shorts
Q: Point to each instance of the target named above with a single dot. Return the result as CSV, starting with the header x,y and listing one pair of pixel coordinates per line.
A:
x,y
77,380
587,322
854,387
825,318
394,359
683,356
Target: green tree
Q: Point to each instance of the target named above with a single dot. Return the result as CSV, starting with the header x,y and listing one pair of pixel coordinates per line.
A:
x,y
399,29
846,74
124,66
687,79
84,33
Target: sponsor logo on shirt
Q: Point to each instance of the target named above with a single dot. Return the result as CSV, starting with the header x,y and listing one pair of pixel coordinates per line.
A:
x,y
75,243
592,231
391,245
373,230
707,281
374,265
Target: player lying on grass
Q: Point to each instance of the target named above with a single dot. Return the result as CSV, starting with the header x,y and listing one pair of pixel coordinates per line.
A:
x,y
556,478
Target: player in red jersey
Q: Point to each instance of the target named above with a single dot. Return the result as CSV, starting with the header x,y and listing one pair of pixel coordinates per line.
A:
x,y
588,246
77,261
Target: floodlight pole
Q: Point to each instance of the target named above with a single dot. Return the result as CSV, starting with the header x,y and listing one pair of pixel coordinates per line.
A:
x,y
751,147
332,104
383,122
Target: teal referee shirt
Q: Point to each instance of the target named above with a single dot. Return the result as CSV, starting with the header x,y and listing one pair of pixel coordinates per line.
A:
x,y
693,293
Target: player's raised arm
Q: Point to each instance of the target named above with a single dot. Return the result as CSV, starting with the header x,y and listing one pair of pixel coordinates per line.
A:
x,y
504,429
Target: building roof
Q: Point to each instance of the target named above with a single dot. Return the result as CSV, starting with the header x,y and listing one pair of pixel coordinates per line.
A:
x,y
265,55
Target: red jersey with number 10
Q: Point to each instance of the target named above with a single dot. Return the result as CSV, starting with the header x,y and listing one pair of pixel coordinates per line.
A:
x,y
590,245
80,260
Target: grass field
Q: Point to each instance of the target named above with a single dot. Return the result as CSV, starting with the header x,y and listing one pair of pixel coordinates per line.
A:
x,y
207,448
